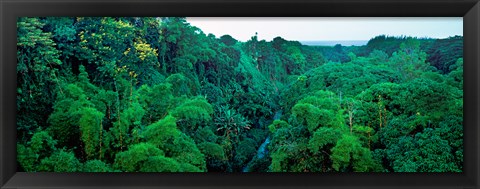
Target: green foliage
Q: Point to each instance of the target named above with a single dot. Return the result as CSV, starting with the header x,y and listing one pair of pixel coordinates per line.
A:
x,y
323,136
129,124
349,152
39,147
184,150
136,157
388,44
42,142
156,94
160,164
193,113
230,123
162,132
228,40
60,161
409,60
279,160
146,157
297,58
212,151
456,75
443,53
64,120
309,114
103,43
165,135
277,124
378,56
26,158
156,100
37,75
245,151
181,84
91,131
426,152
205,134
96,166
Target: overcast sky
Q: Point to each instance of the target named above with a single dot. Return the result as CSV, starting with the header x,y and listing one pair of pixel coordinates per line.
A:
x,y
329,28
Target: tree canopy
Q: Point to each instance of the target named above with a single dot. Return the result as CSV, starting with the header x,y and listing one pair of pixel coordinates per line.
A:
x,y
145,94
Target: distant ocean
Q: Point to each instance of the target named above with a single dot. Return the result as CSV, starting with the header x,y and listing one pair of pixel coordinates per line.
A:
x,y
333,43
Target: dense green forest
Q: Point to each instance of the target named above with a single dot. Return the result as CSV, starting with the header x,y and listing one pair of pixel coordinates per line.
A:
x,y
159,95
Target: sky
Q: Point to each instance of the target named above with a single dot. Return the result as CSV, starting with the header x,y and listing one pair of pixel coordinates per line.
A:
x,y
329,28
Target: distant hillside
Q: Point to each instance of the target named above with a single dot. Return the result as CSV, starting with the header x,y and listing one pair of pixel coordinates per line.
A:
x,y
333,43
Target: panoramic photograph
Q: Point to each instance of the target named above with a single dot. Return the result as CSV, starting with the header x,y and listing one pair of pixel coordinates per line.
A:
x,y
239,95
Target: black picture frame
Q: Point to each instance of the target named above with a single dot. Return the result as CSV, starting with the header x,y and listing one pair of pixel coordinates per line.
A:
x,y
11,9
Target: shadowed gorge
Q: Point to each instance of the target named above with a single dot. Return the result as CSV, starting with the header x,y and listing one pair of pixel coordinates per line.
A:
x,y
148,94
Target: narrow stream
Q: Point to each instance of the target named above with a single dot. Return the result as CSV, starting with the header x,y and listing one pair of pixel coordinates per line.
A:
x,y
262,150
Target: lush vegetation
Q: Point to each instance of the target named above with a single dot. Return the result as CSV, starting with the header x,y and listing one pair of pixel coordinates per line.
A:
x,y
159,95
